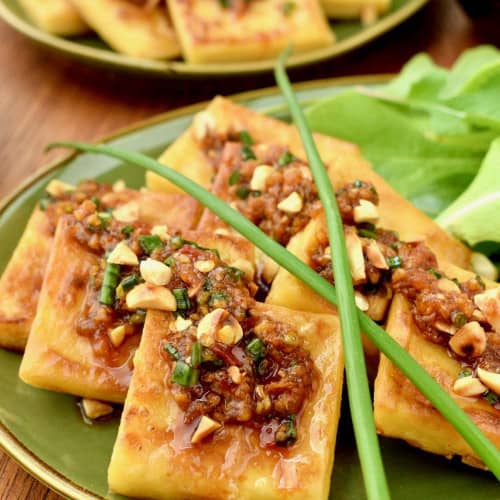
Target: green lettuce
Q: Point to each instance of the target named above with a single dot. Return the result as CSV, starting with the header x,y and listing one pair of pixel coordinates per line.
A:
x,y
427,132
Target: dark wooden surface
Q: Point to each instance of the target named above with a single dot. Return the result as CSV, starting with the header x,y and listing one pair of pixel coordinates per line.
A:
x,y
46,97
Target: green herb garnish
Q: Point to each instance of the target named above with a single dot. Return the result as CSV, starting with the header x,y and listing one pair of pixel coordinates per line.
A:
x,y
245,138
184,374
286,158
256,349
243,192
169,261
127,230
182,298
491,397
176,242
234,178
394,262
466,372
437,274
458,319
167,347
196,355
109,284
247,153
149,242
130,281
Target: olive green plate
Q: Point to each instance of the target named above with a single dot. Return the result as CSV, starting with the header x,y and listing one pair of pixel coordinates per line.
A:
x,y
43,430
350,34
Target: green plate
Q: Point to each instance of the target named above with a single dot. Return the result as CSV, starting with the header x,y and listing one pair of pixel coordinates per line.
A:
x,y
43,430
350,34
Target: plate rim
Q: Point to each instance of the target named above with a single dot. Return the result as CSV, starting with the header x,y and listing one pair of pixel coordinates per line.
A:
x,y
180,69
9,443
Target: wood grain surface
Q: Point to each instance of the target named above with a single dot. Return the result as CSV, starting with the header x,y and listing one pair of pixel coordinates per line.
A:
x,y
46,97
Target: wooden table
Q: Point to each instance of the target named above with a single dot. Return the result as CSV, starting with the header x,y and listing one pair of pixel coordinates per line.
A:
x,y
44,97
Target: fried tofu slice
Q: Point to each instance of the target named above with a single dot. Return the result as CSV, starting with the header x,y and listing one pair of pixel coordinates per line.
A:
x,y
211,31
154,455
367,10
343,160
58,17
69,350
22,279
131,29
401,411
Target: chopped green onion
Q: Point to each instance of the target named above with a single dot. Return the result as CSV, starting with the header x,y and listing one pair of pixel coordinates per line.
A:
x,y
394,262
243,192
234,178
105,218
196,354
247,153
466,372
127,230
199,247
208,356
109,284
459,319
367,233
182,298
256,349
149,242
426,384
437,274
95,200
235,273
358,184
176,242
286,158
184,374
171,350
169,261
130,281
286,432
355,368
245,138
491,397
256,193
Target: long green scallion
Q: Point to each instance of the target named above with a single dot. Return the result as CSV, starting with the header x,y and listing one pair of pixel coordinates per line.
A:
x,y
110,281
357,380
441,400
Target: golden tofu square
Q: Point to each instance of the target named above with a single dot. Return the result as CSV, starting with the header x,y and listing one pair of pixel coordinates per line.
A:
x,y
59,17
80,343
21,281
401,411
215,31
162,452
143,31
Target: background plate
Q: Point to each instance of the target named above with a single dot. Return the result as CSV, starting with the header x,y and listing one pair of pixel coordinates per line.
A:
x,y
350,34
43,430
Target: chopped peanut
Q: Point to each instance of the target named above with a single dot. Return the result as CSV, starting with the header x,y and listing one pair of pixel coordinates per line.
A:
x,y
259,177
470,340
206,427
293,203
155,272
95,409
366,211
151,297
123,255
468,386
489,379
57,188
204,266
127,213
117,335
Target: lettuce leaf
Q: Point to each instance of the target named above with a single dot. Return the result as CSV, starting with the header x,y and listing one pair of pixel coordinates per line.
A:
x,y
475,215
427,132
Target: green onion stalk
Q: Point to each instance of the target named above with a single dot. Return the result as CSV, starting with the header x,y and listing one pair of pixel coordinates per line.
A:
x,y
356,376
440,399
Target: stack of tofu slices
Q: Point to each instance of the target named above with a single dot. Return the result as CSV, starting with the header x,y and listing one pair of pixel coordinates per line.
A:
x,y
202,31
